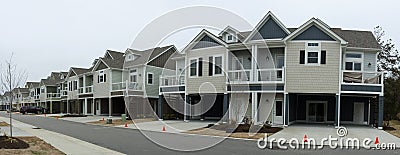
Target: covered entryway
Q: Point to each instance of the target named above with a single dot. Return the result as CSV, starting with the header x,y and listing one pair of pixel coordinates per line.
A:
x,y
317,111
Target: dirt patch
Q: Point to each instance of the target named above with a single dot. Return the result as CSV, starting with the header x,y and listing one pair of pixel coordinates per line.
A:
x,y
4,124
394,128
35,146
118,122
12,143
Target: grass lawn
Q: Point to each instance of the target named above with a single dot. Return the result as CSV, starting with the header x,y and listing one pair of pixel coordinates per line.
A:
x,y
394,128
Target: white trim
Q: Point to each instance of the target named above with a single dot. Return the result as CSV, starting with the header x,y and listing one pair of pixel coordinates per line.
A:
x,y
215,66
197,67
199,36
357,60
314,21
172,46
147,78
312,49
268,16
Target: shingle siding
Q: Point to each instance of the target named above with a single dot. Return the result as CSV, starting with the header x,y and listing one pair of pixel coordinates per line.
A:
x,y
193,84
301,78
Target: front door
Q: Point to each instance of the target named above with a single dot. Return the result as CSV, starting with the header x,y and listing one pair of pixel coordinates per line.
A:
x,y
278,112
358,114
316,111
97,107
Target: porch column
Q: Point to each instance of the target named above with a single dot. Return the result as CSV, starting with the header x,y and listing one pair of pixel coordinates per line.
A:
x,y
185,108
254,107
51,106
380,112
225,107
160,107
67,106
109,106
85,107
286,110
337,119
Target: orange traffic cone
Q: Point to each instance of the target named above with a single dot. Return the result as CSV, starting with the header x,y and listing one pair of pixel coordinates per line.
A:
x,y
376,140
163,129
126,125
305,138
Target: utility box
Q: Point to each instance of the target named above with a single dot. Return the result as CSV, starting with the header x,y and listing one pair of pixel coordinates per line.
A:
x,y
123,118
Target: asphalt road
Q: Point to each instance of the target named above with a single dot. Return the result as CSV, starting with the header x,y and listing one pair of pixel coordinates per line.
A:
x,y
131,141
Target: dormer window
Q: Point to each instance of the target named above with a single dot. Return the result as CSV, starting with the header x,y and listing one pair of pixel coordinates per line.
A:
x,y
229,38
130,57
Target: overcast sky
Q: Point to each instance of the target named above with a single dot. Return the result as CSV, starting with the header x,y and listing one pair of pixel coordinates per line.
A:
x,y
53,35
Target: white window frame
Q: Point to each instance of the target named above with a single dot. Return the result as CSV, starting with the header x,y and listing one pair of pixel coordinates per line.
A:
x,y
316,49
102,74
215,66
197,67
357,60
147,78
130,57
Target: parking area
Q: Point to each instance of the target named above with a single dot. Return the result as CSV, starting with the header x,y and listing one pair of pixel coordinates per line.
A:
x,y
320,131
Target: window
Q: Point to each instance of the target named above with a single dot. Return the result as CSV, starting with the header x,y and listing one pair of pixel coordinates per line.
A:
x,y
200,67
353,61
130,57
101,77
133,75
278,108
193,67
217,65
149,78
312,44
70,86
75,85
312,57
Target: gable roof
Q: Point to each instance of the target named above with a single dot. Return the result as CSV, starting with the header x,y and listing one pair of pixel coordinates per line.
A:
x,y
114,60
266,18
318,24
144,57
200,36
32,84
360,39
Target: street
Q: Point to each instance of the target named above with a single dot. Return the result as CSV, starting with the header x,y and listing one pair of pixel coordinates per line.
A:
x,y
131,141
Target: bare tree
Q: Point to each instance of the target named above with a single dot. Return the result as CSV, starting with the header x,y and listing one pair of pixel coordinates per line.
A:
x,y
11,78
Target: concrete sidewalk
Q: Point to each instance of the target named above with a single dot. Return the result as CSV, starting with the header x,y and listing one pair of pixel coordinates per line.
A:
x,y
66,144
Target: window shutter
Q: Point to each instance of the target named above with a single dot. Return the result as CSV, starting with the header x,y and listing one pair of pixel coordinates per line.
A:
x,y
98,78
323,57
210,66
302,56
200,66
105,77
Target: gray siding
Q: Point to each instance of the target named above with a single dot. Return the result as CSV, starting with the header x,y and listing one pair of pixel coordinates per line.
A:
x,y
270,30
153,89
370,57
206,41
101,89
74,93
301,78
313,33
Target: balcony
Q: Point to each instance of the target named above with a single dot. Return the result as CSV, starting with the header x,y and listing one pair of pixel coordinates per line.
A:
x,y
361,81
274,75
119,86
172,81
89,89
53,96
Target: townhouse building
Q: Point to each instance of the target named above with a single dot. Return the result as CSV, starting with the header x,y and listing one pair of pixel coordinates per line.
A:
x,y
142,70
21,97
273,74
49,95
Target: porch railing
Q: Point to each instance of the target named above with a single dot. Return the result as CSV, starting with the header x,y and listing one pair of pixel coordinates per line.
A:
x,y
239,75
273,75
362,77
53,95
124,85
172,80
89,89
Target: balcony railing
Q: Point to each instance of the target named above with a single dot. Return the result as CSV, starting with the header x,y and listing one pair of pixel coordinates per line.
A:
x,y
53,95
273,75
81,90
360,77
172,80
123,85
89,89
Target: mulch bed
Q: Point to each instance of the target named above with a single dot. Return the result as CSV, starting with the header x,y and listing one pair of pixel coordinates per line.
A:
x,y
28,146
12,143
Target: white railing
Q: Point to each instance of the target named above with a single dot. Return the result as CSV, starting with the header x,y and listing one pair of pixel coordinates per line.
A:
x,y
89,89
271,75
81,90
172,80
124,85
360,77
239,75
53,95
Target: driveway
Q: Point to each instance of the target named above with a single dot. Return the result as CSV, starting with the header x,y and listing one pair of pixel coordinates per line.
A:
x,y
320,131
170,126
